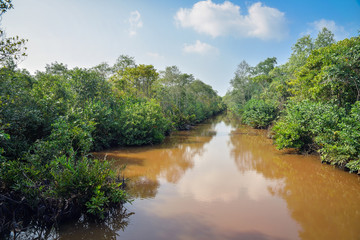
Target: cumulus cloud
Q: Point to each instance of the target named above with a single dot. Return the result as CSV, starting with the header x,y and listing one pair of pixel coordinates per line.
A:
x,y
336,29
135,22
226,19
199,48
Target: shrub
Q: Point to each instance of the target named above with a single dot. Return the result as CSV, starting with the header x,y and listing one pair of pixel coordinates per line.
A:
x,y
307,125
143,123
344,149
106,127
258,113
84,183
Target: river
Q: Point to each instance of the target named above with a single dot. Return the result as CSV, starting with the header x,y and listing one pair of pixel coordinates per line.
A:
x,y
222,180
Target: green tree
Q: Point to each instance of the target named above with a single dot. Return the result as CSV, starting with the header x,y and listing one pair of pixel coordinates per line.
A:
x,y
136,80
122,62
331,73
260,73
12,49
324,39
241,83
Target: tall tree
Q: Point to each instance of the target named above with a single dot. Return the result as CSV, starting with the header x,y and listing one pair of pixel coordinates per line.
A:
x,y
137,80
261,72
324,38
122,62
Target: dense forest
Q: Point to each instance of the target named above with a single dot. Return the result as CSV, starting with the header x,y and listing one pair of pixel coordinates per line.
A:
x,y
52,120
310,103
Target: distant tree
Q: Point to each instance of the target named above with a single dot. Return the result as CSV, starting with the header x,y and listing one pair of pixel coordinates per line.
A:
x,y
264,67
104,69
173,84
324,38
137,80
261,72
303,45
122,62
56,68
241,83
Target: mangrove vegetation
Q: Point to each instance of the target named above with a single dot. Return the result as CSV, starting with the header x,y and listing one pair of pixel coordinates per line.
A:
x,y
52,120
311,103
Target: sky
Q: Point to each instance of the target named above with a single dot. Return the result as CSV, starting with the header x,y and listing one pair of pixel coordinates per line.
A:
x,y
205,38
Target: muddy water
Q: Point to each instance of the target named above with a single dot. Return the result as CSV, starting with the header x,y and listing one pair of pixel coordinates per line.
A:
x,y
225,181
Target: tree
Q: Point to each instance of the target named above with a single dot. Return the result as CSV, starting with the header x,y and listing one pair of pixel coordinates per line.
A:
x,y
261,72
264,67
242,75
12,49
324,38
331,73
4,6
243,88
103,69
136,80
122,62
301,51
174,84
56,69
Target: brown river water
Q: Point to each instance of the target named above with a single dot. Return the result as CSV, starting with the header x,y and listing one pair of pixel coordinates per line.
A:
x,y
222,180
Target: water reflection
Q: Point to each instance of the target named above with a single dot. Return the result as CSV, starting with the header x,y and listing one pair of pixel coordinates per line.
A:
x,y
110,229
214,195
169,161
323,200
82,228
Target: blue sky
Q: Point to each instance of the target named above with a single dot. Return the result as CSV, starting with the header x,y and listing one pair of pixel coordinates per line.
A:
x,y
205,38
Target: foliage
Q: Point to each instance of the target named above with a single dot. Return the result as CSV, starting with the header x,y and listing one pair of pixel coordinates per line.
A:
x,y
20,117
327,128
343,147
137,81
248,83
5,5
307,125
79,182
258,113
143,123
331,73
12,49
242,86
186,100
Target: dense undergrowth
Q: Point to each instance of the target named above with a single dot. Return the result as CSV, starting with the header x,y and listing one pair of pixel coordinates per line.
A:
x,y
311,103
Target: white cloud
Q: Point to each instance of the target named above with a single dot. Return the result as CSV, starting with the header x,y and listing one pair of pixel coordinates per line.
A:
x,y
200,48
226,19
336,29
135,22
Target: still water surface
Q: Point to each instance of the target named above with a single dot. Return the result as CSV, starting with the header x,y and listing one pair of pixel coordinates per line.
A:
x,y
222,180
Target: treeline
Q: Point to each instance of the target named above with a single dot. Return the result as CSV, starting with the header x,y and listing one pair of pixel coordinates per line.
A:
x,y
52,120
311,103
